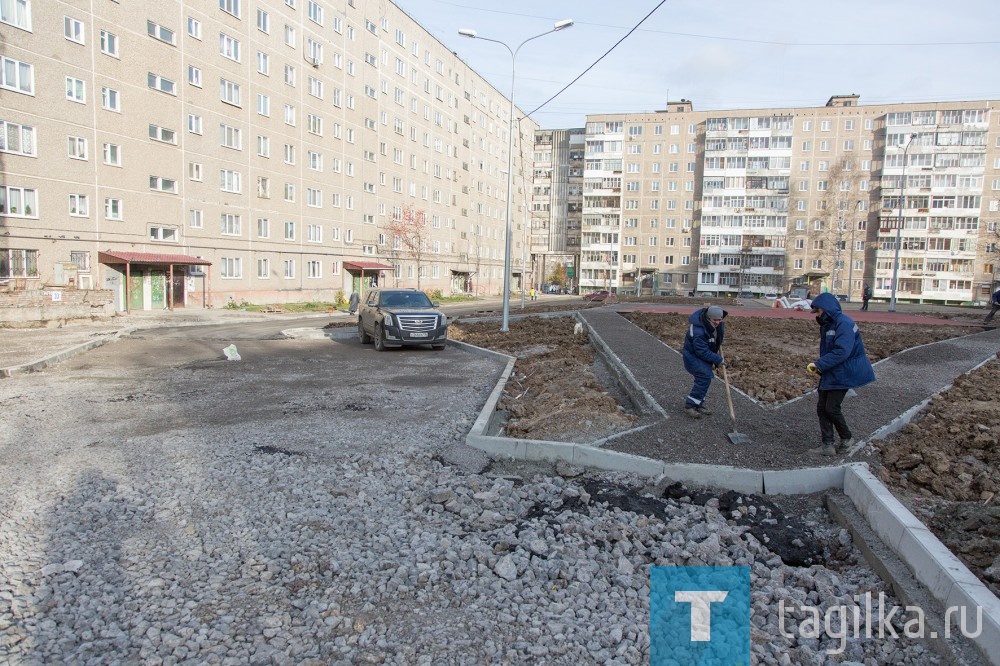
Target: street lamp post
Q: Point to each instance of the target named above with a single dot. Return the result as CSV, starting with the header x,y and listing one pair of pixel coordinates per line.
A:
x,y
472,34
899,227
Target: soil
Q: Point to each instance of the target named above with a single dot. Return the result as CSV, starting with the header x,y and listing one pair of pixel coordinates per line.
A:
x,y
945,465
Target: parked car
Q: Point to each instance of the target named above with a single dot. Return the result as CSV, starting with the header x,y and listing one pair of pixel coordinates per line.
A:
x,y
398,317
746,294
771,296
597,296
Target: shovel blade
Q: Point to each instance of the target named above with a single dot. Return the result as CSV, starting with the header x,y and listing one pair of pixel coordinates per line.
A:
x,y
738,438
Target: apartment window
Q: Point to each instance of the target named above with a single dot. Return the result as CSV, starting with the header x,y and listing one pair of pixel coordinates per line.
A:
x,y
314,197
229,47
263,187
157,82
161,184
73,30
113,209
314,233
263,105
76,90
17,76
290,115
112,154
194,124
195,171
17,139
315,160
194,76
158,133
825,125
289,192
232,268
289,231
230,7
16,13
263,63
263,146
289,36
314,124
229,92
290,75
263,269
230,181
157,31
314,52
315,87
196,218
314,269
18,201
163,234
263,21
77,147
314,12
194,27
263,227
230,224
289,268
289,154
78,206
109,43
231,137
824,146
110,100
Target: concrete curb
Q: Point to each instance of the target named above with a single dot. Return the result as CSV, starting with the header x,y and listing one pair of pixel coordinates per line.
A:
x,y
52,359
636,392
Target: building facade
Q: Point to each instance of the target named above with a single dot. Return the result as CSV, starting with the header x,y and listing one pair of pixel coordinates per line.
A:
x,y
724,202
557,205
194,153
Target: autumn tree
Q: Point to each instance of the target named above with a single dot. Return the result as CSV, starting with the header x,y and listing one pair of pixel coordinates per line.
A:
x,y
408,234
558,275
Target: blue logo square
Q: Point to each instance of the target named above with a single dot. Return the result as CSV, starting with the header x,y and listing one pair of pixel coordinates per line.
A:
x,y
699,615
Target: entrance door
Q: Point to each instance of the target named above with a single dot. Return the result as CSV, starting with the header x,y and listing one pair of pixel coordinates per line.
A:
x,y
178,295
135,291
158,290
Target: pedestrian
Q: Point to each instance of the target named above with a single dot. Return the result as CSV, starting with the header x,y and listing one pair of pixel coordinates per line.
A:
x,y
842,365
532,293
352,302
701,355
995,302
866,295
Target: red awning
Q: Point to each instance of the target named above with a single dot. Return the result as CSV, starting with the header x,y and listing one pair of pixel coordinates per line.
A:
x,y
367,266
110,257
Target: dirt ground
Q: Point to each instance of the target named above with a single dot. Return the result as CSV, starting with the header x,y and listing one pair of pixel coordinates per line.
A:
x,y
945,465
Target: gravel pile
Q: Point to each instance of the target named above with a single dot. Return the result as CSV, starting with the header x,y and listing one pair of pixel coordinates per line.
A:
x,y
349,540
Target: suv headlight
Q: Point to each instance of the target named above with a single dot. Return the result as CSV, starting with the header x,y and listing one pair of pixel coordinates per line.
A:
x,y
387,319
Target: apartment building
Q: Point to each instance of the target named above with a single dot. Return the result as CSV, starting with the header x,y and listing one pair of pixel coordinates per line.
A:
x,y
557,204
723,202
193,152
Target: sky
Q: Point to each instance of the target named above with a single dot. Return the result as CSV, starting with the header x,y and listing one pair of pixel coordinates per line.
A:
x,y
722,54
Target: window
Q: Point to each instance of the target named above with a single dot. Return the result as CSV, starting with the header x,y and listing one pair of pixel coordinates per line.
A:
x,y
229,92
232,268
289,231
263,105
290,115
162,184
73,30
314,269
263,63
76,90
263,268
17,76
289,268
196,171
263,227
157,82
110,100
289,154
194,76
230,224
194,27
81,260
230,181
314,233
314,12
18,263
109,43
263,187
263,21
78,206
289,192
231,137
315,87
290,75
16,13
289,36
229,47
157,31
17,139
314,124
77,147
163,234
230,7
157,133
263,146
112,154
113,209
196,218
194,124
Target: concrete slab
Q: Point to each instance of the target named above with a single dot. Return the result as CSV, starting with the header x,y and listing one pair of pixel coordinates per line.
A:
x,y
803,481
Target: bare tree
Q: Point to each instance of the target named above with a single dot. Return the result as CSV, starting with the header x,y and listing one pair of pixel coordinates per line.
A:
x,y
837,215
408,229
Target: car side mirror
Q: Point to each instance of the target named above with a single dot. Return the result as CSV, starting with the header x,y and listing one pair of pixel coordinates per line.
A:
x,y
435,304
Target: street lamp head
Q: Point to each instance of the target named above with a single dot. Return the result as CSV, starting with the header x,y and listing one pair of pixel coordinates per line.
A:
x,y
563,24
467,32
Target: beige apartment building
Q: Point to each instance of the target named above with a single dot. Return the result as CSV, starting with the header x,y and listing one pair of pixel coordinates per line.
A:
x,y
197,152
722,202
556,204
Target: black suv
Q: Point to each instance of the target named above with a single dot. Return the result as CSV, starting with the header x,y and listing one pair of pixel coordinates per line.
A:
x,y
397,317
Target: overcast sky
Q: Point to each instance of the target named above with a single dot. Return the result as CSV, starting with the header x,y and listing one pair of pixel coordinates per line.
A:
x,y
723,54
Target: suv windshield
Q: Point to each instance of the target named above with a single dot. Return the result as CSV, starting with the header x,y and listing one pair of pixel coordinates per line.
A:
x,y
406,299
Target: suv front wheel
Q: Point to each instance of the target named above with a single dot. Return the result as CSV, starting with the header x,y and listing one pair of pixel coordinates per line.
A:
x,y
363,337
379,336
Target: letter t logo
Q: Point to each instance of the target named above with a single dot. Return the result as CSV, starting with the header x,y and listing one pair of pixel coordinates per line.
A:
x,y
701,610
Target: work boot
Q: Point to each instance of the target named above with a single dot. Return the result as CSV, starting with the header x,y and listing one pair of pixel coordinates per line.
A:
x,y
844,445
692,412
703,410
827,449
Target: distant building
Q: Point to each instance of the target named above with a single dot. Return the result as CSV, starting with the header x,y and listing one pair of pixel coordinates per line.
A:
x,y
557,203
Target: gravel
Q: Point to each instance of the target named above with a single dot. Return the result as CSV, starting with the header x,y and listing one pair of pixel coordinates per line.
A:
x,y
299,507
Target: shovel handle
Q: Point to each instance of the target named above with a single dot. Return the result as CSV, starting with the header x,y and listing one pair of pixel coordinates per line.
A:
x,y
729,395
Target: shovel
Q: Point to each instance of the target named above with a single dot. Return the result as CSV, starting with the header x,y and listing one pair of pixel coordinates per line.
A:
x,y
734,437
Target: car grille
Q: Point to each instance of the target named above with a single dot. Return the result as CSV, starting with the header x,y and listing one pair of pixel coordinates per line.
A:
x,y
417,322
